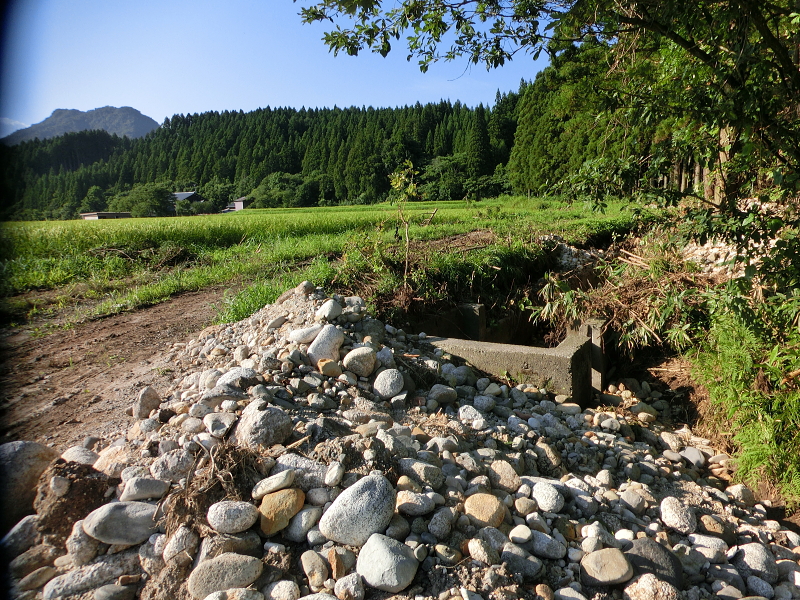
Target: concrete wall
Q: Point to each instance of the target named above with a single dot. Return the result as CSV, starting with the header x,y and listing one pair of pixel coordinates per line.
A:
x,y
574,367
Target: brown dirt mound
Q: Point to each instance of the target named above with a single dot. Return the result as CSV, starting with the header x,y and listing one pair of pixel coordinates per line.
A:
x,y
86,492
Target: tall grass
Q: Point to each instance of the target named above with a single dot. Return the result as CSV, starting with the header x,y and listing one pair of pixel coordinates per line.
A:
x,y
751,376
132,262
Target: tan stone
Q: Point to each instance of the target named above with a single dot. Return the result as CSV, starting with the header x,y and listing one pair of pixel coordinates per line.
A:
x,y
503,476
405,483
113,460
485,510
278,508
329,368
544,592
525,506
338,569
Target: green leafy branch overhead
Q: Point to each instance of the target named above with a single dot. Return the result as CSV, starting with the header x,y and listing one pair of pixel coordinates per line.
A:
x,y
742,53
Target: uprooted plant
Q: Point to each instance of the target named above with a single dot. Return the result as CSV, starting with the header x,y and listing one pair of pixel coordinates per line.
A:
x,y
648,297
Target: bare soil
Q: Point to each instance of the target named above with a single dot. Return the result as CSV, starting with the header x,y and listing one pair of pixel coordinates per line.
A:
x,y
69,384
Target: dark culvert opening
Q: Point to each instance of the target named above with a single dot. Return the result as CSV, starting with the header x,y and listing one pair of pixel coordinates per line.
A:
x,y
476,322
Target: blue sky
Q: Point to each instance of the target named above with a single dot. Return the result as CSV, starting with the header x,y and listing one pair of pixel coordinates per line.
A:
x,y
168,56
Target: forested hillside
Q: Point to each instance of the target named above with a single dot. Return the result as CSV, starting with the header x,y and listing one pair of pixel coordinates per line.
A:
x,y
528,141
278,157
581,128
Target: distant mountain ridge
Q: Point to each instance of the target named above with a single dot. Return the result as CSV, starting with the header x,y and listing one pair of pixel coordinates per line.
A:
x,y
124,121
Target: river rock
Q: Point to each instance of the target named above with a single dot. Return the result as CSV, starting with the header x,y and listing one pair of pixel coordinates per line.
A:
x,y
261,426
545,546
414,504
485,510
421,471
306,335
350,587
247,542
147,401
547,497
442,394
386,564
124,523
360,361
482,551
308,474
143,488
223,572
364,508
172,466
81,547
102,570
113,591
388,383
218,424
278,508
741,494
273,483
756,559
650,587
605,567
326,344
230,516
239,377
648,556
21,537
284,589
81,455
302,523
21,464
520,561
503,476
314,567
221,393
181,544
677,516
329,310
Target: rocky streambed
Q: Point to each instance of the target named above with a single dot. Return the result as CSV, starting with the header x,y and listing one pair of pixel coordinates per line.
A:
x,y
311,451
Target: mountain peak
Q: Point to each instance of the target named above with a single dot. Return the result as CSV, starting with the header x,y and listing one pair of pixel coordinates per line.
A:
x,y
123,121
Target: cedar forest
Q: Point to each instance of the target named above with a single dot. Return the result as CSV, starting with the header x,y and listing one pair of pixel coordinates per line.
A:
x,y
528,141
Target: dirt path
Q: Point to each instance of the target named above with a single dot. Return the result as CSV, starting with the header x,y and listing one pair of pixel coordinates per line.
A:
x,y
62,387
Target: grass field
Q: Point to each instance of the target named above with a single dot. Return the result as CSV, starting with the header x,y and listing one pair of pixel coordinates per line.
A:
x,y
123,264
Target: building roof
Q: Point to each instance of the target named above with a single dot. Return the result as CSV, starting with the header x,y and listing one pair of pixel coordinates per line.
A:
x,y
104,214
185,195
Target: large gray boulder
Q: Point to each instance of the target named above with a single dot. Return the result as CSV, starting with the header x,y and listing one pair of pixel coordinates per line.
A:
x,y
366,507
262,425
386,564
126,523
21,465
223,572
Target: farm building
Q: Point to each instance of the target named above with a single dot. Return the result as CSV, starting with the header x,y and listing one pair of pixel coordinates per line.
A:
x,y
93,216
190,196
238,204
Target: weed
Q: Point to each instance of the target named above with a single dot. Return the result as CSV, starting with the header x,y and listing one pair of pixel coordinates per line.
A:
x,y
752,382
